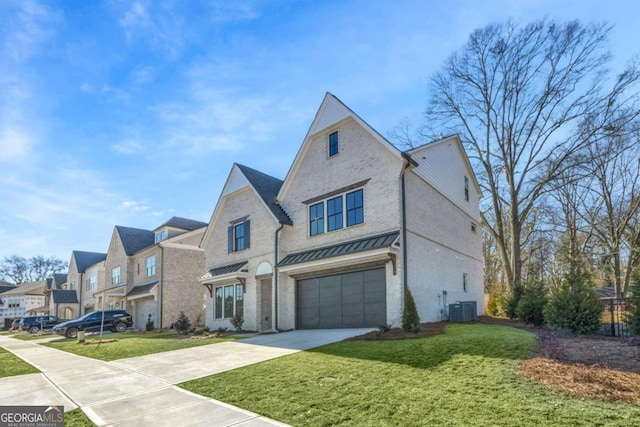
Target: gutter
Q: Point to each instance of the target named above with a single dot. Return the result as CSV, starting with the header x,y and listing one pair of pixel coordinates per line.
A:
x,y
161,290
275,274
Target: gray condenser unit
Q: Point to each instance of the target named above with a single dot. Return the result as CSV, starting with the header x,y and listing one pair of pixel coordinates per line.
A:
x,y
463,311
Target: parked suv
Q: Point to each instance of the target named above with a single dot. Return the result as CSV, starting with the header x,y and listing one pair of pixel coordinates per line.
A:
x,y
35,323
114,320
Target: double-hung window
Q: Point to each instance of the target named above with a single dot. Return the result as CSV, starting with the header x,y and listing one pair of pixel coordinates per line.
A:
x,y
151,266
115,276
229,301
345,210
334,148
160,236
239,235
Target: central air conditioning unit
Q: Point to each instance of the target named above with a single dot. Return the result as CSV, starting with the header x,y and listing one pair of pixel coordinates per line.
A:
x,y
463,311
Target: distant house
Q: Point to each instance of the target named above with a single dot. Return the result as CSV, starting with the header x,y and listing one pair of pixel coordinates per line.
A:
x,y
19,300
152,273
354,222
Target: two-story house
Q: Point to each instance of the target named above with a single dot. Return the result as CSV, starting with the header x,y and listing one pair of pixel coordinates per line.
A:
x,y
85,275
360,221
63,297
153,273
20,300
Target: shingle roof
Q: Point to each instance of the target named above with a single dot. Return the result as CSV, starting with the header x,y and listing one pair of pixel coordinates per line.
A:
x,y
350,247
225,269
59,279
28,288
267,187
85,260
49,283
142,289
61,296
184,223
135,239
5,288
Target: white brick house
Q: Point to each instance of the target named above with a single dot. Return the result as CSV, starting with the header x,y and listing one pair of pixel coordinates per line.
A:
x,y
354,221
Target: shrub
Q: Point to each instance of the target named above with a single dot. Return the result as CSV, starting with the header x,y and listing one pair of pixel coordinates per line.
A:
x,y
632,316
149,326
497,305
183,324
410,317
385,328
512,303
530,308
575,305
237,321
221,330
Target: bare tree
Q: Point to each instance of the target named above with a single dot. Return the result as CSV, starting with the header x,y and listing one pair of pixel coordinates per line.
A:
x,y
515,94
17,269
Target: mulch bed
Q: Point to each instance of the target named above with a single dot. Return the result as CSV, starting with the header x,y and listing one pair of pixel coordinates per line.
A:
x,y
426,330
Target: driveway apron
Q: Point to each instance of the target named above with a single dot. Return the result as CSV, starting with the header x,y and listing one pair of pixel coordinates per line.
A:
x,y
141,391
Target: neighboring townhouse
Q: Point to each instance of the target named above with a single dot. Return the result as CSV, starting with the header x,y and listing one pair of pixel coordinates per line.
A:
x,y
153,273
63,297
239,250
362,220
20,300
87,274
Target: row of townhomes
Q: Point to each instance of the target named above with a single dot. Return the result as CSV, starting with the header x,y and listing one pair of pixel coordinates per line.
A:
x,y
334,245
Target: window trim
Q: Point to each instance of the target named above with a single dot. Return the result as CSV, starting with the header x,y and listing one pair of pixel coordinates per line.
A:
x,y
151,269
113,276
232,235
219,313
325,213
160,236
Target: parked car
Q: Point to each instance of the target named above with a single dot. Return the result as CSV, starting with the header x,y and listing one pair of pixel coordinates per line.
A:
x,y
15,324
33,324
114,320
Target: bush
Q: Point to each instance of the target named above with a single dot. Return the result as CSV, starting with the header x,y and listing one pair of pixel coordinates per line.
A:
x,y
237,321
149,326
632,316
183,324
385,328
530,308
497,305
512,303
575,305
410,317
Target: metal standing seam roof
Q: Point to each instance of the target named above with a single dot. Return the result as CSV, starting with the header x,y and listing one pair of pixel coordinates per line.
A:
x,y
225,269
142,289
267,187
63,296
350,247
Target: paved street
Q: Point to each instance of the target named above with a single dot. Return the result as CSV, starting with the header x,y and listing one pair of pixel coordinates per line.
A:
x,y
141,391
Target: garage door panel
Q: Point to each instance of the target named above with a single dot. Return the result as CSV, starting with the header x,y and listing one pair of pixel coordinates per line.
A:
x,y
348,300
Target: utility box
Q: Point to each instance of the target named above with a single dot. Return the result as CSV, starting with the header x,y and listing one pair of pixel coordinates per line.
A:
x,y
463,311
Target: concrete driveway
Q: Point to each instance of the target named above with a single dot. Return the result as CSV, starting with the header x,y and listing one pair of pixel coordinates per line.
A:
x,y
141,391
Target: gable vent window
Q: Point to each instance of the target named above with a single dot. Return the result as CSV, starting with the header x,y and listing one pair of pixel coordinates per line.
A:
x,y
333,144
239,236
466,188
473,227
464,282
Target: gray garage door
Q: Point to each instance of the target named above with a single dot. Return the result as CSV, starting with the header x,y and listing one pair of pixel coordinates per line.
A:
x,y
348,300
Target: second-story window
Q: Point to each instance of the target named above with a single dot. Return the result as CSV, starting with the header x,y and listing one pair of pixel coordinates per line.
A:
x,y
466,188
346,209
316,219
161,235
151,266
90,283
115,276
333,144
239,236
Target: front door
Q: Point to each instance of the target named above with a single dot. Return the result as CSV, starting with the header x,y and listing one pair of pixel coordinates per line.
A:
x,y
266,322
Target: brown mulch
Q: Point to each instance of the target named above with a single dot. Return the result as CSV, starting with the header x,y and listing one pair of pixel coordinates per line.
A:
x,y
426,330
591,367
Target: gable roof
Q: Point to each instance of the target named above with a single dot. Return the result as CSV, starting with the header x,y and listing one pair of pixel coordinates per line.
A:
x,y
27,288
85,260
61,296
183,223
59,279
331,111
135,239
5,288
267,188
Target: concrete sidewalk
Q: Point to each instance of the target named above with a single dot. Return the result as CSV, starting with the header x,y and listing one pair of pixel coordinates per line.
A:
x,y
141,391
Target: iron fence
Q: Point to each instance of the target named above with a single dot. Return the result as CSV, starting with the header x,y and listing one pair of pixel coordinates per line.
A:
x,y
613,318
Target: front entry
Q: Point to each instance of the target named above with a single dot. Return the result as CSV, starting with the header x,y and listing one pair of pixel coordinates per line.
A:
x,y
266,293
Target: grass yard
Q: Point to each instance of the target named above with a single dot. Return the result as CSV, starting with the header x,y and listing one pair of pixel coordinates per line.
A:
x,y
77,418
26,336
466,377
11,365
132,344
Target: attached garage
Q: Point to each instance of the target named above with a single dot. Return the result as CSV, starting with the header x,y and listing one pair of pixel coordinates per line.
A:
x,y
347,300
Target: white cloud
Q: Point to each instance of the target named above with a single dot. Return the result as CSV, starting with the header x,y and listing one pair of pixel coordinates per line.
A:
x,y
15,145
135,18
34,26
143,75
128,147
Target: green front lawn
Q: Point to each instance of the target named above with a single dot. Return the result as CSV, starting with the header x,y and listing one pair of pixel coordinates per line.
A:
x,y
131,344
11,365
466,377
77,418
26,336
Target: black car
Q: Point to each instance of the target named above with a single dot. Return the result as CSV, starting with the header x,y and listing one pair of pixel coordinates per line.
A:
x,y
34,324
114,320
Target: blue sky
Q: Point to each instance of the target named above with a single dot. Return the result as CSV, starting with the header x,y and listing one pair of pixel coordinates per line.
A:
x,y
130,112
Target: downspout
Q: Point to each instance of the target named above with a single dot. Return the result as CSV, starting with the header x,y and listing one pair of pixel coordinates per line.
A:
x,y
275,274
405,274
80,295
161,287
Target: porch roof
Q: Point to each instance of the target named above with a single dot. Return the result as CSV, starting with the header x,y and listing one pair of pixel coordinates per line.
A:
x,y
224,270
142,289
